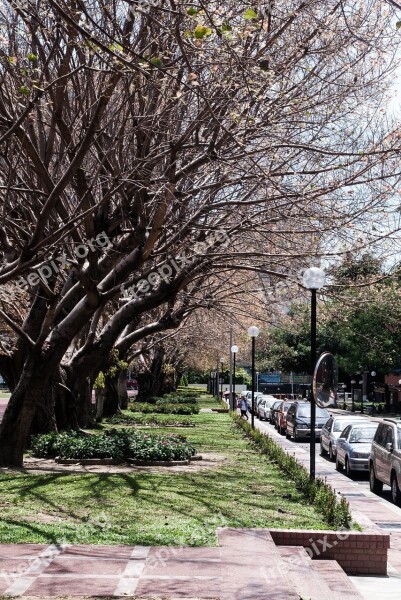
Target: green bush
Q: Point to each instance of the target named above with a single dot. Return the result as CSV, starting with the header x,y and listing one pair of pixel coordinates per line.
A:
x,y
114,444
149,419
171,399
167,409
319,493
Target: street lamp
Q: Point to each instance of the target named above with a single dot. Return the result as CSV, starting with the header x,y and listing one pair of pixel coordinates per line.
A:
x,y
253,333
361,384
353,382
313,279
221,379
234,350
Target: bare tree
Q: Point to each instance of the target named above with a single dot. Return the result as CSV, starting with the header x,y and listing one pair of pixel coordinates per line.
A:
x,y
193,140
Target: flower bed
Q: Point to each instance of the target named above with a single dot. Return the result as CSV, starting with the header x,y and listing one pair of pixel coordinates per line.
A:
x,y
118,445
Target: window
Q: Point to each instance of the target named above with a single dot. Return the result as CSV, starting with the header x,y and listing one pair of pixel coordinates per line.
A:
x,y
329,424
304,411
345,433
389,436
360,435
339,425
380,435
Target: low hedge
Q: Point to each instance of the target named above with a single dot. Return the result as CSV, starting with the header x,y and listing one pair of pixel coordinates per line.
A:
x,y
166,409
150,419
319,493
120,445
170,399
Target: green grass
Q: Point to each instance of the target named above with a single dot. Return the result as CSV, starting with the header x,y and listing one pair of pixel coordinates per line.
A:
x,y
161,508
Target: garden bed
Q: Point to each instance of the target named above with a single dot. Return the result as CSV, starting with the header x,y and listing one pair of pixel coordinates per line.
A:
x,y
114,445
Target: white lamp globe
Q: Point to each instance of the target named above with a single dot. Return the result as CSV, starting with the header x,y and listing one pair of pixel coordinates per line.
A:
x,y
234,349
314,278
253,332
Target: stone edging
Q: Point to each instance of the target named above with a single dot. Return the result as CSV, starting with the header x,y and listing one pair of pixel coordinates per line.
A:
x,y
130,461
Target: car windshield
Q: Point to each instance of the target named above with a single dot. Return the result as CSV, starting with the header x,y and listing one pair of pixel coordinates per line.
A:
x,y
360,435
340,425
286,405
304,411
276,404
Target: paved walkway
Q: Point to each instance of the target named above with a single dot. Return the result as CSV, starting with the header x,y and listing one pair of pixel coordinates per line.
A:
x,y
247,565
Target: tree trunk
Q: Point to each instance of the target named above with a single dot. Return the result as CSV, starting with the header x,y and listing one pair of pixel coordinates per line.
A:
x,y
19,415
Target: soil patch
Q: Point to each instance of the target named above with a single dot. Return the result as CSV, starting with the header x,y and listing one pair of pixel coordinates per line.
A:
x,y
41,465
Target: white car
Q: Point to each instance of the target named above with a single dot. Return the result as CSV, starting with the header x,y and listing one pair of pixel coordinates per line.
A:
x,y
264,405
331,432
249,399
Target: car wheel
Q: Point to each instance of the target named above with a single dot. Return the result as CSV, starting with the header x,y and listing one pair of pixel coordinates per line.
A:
x,y
395,491
348,469
331,453
376,486
287,434
322,450
339,466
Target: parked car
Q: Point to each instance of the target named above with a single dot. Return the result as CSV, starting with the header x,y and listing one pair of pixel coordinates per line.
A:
x,y
385,459
281,416
264,406
132,388
249,399
299,420
273,411
331,432
354,446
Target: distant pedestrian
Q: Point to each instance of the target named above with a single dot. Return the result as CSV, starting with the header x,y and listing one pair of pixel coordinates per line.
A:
x,y
244,408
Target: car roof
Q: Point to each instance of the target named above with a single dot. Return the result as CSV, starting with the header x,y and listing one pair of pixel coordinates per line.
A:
x,y
350,418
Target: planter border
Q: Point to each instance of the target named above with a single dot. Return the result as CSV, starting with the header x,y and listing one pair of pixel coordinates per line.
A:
x,y
357,553
130,461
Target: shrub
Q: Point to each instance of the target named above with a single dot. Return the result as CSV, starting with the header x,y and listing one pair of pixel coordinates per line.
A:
x,y
172,447
149,419
318,492
48,444
171,399
114,444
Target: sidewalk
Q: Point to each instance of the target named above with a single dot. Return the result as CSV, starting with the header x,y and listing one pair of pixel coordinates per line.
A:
x,y
373,513
247,565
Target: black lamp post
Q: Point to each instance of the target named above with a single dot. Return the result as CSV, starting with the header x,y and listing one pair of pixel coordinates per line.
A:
x,y
221,379
361,384
353,382
253,333
313,279
234,350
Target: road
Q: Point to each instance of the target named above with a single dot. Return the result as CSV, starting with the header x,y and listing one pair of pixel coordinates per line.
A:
x,y
361,479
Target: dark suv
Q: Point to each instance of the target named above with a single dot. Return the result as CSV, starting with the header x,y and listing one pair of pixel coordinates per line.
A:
x,y
385,459
299,421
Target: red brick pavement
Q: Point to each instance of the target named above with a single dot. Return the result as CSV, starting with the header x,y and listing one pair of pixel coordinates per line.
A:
x,y
246,566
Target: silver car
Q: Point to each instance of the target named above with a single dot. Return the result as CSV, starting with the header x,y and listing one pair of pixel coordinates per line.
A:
x,y
354,446
249,399
264,406
331,432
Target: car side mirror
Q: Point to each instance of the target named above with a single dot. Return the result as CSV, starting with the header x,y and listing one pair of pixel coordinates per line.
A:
x,y
389,447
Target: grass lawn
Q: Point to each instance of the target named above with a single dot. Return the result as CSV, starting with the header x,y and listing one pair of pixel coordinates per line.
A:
x,y
161,508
